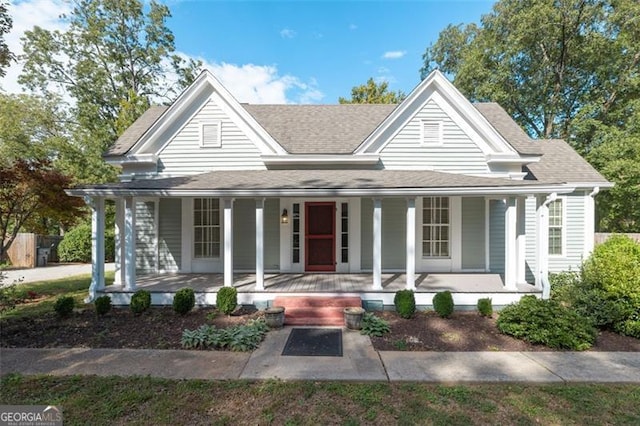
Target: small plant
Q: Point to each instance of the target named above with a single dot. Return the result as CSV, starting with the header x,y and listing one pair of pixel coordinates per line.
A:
x,y
400,345
405,302
102,305
485,308
64,306
374,326
212,315
184,300
443,304
140,301
227,300
241,338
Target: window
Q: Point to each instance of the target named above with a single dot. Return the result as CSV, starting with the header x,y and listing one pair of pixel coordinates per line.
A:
x,y
435,227
431,133
344,232
210,135
555,228
206,227
296,233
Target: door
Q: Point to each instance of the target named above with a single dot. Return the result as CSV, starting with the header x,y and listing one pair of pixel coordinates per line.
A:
x,y
320,236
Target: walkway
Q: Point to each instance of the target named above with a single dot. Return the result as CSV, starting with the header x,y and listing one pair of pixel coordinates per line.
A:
x,y
360,362
50,272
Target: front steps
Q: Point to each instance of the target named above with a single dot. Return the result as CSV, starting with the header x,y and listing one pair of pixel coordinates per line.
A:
x,y
309,310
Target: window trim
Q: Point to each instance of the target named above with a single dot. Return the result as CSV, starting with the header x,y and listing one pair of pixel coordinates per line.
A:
x,y
447,225
563,229
218,142
220,238
440,125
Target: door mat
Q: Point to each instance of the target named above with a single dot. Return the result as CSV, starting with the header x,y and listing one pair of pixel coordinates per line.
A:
x,y
314,342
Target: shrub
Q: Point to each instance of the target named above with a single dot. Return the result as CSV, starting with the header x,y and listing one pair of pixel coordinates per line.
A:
x,y
563,284
546,322
373,325
184,301
405,302
443,304
64,305
102,305
242,338
76,245
485,308
140,301
227,299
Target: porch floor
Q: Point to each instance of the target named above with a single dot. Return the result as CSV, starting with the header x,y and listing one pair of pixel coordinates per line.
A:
x,y
328,283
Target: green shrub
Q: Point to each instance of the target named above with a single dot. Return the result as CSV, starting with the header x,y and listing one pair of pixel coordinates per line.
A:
x,y
102,305
184,300
373,325
546,322
485,308
405,302
563,284
443,304
76,245
140,301
242,338
630,328
227,299
64,305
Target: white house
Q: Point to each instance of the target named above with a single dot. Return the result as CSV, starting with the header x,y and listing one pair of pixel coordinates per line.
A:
x,y
434,193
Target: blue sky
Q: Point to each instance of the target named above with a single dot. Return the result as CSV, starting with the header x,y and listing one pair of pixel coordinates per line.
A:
x,y
293,51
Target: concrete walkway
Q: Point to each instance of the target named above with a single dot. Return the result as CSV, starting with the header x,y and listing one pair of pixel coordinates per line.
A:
x,y
360,363
50,272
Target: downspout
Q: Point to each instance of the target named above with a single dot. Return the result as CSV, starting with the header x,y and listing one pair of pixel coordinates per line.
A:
x,y
543,268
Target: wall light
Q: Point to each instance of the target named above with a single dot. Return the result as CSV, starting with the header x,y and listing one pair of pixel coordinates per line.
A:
x,y
285,216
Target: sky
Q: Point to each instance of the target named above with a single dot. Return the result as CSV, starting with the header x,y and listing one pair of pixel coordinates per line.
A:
x,y
289,51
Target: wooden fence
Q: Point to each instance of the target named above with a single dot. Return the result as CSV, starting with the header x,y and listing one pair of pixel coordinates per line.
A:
x,y
601,237
23,252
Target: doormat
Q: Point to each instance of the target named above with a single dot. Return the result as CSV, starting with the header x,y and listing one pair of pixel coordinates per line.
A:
x,y
314,342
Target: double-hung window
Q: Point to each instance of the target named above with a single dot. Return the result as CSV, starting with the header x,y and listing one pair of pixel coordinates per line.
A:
x,y
555,227
435,227
206,227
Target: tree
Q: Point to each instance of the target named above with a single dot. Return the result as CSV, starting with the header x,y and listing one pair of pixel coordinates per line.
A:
x,y
31,194
5,26
114,56
372,93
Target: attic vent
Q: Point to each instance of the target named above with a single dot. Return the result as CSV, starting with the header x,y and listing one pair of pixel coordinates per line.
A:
x,y
431,133
210,135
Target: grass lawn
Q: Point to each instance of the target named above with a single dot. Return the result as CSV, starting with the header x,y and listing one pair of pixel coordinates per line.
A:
x,y
112,400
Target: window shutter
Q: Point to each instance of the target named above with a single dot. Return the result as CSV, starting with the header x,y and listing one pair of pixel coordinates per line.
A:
x,y
210,135
431,133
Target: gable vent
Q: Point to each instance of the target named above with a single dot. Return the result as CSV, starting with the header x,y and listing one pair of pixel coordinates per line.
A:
x,y
431,133
210,135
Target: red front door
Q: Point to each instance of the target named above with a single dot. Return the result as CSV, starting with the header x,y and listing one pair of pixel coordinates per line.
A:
x,y
320,236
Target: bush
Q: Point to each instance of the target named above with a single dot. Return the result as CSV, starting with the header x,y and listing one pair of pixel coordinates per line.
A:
x,y
227,299
546,322
64,305
184,301
140,301
405,302
373,325
485,308
102,305
76,245
237,338
563,284
443,304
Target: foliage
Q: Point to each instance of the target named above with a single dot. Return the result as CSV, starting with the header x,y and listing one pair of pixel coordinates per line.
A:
x,y
140,301
227,299
485,308
10,296
184,300
405,303
64,305
102,305
443,303
240,338
373,93
76,245
374,326
546,322
563,284
5,27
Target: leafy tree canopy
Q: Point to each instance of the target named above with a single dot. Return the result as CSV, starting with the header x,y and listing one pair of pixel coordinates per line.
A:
x,y
373,93
5,26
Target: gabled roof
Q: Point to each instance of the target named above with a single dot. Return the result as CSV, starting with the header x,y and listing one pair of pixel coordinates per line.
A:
x,y
508,128
135,131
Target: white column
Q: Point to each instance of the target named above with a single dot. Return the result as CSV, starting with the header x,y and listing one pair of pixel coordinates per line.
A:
x,y
228,241
377,244
589,222
521,241
510,250
411,244
260,244
130,244
97,247
119,243
542,245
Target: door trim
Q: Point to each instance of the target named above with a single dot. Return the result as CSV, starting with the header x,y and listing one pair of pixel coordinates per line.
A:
x,y
307,237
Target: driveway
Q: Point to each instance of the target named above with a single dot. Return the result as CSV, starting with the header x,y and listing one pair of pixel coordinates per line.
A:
x,y
50,272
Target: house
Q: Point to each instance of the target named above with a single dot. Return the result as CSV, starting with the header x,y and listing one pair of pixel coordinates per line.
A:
x,y
433,194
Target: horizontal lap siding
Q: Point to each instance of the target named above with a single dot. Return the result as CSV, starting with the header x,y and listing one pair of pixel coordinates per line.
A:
x,y
145,237
170,238
574,236
530,252
272,234
244,234
496,236
393,233
183,155
458,153
473,233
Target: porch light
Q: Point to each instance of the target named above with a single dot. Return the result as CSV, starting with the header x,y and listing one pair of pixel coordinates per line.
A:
x,y
285,216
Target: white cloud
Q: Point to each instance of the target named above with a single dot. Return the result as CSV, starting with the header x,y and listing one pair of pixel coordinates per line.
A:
x,y
287,33
394,54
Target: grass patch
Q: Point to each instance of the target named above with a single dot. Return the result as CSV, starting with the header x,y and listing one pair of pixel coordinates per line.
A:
x,y
143,400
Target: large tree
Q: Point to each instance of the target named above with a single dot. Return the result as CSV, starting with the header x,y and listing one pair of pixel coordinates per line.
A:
x,y
115,55
5,26
373,93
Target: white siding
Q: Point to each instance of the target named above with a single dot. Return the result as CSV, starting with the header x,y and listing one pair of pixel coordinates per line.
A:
x,y
458,153
530,252
145,237
183,155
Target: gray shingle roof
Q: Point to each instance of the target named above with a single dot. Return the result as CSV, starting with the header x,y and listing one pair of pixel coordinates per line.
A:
x,y
561,162
135,131
508,128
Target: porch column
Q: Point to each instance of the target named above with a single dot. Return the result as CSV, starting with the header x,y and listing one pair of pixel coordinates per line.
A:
x,y
521,241
97,247
510,246
377,243
589,222
411,244
542,244
119,243
260,244
130,244
228,241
